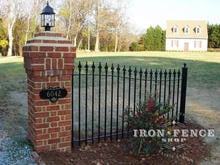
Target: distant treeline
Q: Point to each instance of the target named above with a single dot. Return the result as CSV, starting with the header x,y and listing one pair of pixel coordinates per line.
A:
x,y
153,40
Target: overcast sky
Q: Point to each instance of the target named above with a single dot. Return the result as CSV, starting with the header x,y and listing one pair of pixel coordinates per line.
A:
x,y
145,13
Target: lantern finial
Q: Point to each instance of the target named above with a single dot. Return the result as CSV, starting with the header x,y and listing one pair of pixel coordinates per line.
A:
x,y
48,17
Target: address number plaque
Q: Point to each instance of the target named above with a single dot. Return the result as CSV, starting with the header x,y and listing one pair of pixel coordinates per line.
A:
x,y
53,93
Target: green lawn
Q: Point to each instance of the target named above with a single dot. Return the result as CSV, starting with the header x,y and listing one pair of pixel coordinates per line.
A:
x,y
204,67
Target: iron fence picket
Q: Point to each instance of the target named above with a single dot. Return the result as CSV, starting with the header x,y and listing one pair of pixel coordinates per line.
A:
x,y
93,83
86,102
123,101
106,79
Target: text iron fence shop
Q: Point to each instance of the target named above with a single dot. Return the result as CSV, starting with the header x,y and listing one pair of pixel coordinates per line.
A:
x,y
101,93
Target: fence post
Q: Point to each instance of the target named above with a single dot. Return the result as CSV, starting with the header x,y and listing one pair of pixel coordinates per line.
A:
x,y
183,94
49,61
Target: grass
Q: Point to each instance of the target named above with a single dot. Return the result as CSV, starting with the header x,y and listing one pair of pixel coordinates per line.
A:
x,y
204,67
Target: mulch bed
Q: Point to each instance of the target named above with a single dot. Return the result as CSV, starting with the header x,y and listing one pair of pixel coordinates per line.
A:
x,y
192,151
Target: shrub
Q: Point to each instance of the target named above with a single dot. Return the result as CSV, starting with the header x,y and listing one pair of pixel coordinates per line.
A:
x,y
148,116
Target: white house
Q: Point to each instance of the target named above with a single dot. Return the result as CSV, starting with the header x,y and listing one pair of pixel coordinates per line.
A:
x,y
186,35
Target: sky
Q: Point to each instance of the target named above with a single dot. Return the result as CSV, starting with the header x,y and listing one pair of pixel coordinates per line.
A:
x,y
145,13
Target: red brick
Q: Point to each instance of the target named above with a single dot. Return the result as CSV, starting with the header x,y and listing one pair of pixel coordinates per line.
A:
x,y
68,128
69,60
68,138
54,118
42,114
48,64
56,129
41,103
51,108
37,85
53,124
37,67
64,42
67,133
41,137
66,78
37,60
69,55
39,79
38,109
67,144
60,64
36,97
54,63
35,41
39,121
68,66
49,41
46,48
36,73
37,54
68,117
53,113
53,141
64,123
62,49
39,131
45,125
53,82
68,106
54,54
64,112
32,48
54,135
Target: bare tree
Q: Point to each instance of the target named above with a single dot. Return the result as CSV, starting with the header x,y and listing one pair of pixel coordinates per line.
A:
x,y
109,19
74,14
97,18
33,9
12,11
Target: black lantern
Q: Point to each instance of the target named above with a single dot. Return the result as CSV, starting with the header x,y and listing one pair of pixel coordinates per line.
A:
x,y
47,17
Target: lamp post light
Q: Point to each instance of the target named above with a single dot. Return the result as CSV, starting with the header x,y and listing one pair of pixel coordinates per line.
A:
x,y
48,17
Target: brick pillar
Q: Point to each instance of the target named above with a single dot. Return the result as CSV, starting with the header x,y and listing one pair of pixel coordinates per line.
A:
x,y
49,62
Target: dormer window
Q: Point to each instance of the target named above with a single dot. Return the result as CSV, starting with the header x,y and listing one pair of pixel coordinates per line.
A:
x,y
174,29
186,29
197,29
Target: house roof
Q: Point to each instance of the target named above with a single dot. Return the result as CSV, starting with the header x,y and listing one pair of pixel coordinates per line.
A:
x,y
181,32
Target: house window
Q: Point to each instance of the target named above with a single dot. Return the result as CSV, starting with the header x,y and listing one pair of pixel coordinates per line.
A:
x,y
197,44
174,43
197,29
186,29
174,29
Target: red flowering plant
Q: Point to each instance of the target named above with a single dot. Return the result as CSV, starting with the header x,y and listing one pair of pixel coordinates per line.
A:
x,y
148,126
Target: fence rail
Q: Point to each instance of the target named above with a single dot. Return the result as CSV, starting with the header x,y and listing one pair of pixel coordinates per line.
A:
x,y
102,93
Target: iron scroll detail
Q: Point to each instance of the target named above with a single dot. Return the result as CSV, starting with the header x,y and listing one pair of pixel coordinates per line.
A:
x,y
53,93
